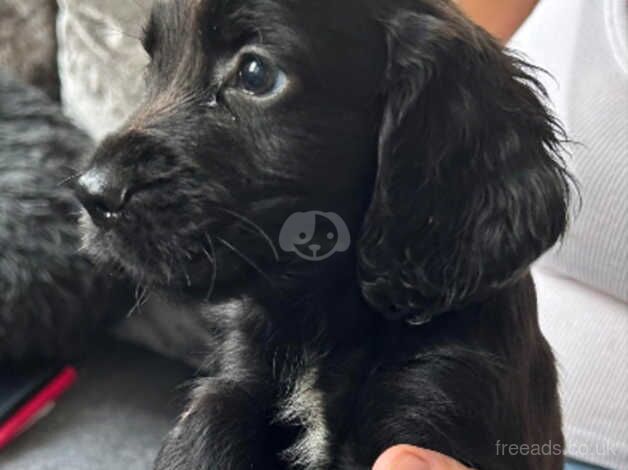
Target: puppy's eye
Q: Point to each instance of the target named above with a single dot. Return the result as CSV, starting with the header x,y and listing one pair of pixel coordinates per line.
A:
x,y
259,76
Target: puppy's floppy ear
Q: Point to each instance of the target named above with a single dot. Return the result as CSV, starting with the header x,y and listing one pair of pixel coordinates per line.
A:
x,y
470,189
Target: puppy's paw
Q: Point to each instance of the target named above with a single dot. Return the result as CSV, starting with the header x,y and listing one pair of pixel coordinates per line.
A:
x,y
221,429
190,446
185,448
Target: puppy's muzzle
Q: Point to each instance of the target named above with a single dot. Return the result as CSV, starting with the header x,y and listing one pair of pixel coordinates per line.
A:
x,y
108,184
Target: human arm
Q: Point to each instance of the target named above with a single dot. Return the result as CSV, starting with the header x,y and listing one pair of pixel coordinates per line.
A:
x,y
501,18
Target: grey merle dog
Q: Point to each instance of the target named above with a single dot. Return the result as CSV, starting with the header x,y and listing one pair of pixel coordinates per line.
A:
x,y
429,142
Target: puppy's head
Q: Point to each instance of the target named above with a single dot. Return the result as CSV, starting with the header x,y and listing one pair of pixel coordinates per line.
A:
x,y
255,111
399,117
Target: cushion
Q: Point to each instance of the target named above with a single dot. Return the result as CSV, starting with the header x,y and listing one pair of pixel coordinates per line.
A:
x,y
115,417
101,61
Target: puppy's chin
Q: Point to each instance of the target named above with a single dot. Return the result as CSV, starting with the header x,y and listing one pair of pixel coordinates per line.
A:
x,y
106,249
150,265
187,266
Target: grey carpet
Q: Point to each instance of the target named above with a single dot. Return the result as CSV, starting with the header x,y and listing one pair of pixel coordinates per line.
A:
x,y
126,400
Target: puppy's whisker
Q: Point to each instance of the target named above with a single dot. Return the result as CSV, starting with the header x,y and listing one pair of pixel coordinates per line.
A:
x,y
142,294
65,181
214,261
244,258
188,280
186,275
252,224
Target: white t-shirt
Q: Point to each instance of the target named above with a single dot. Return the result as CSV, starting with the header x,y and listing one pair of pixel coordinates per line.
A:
x,y
583,283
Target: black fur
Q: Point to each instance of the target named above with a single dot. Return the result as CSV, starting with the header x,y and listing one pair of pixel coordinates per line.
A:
x,y
434,147
482,188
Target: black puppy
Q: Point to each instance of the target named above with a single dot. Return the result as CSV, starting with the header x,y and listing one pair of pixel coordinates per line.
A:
x,y
433,148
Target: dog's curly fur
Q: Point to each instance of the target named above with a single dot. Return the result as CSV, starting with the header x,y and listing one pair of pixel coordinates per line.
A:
x,y
433,146
52,297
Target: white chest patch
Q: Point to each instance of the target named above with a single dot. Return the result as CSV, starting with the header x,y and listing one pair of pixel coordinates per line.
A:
x,y
305,406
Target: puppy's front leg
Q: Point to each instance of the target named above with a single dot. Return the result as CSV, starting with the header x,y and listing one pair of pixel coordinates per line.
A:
x,y
223,428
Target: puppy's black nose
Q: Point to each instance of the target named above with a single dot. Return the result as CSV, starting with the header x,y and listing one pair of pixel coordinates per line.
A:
x,y
103,195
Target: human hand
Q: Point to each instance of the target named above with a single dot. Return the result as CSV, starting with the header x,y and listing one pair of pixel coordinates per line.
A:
x,y
405,457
